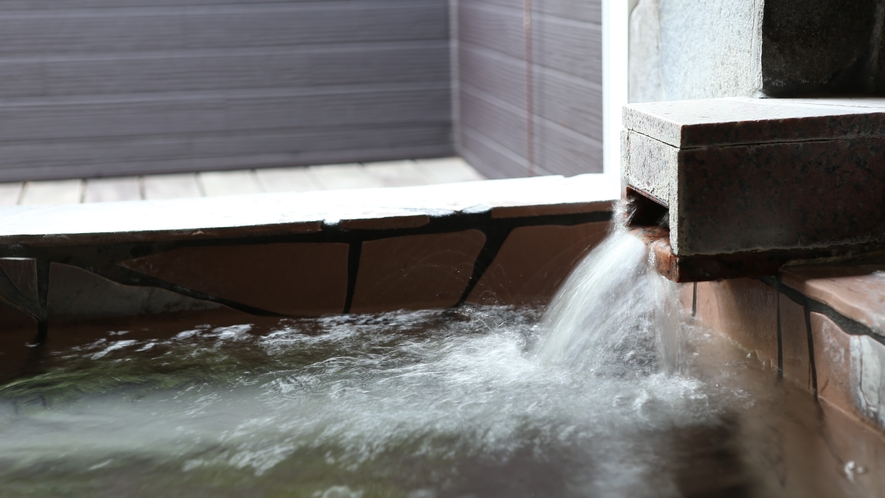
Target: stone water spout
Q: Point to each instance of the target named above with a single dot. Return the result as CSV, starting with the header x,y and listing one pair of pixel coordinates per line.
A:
x,y
738,187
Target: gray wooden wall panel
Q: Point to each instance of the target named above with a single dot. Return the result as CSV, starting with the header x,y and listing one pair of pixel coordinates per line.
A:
x,y
225,69
195,152
569,46
571,152
588,11
107,87
162,113
233,26
569,101
567,81
493,159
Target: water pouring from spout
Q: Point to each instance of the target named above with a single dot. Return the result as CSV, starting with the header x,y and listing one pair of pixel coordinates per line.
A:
x,y
615,315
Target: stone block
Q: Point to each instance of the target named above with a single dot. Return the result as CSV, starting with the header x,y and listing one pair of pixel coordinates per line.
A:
x,y
18,293
76,294
832,362
818,46
756,176
868,378
415,271
857,292
300,279
23,274
794,341
744,310
534,261
17,334
686,298
684,49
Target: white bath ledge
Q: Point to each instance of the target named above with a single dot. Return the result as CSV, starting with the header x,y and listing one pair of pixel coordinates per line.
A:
x,y
309,211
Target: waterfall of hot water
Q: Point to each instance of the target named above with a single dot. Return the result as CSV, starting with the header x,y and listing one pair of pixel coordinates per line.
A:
x,y
615,314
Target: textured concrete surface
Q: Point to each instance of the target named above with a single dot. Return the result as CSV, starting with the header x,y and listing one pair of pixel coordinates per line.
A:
x,y
820,46
685,49
743,175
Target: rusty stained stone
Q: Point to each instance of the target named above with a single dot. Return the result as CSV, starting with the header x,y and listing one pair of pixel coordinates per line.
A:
x,y
23,274
386,223
534,261
415,271
794,342
15,311
298,279
832,361
703,268
857,292
744,310
76,294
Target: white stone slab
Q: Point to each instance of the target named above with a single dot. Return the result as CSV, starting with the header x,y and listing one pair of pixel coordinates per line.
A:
x,y
300,211
740,120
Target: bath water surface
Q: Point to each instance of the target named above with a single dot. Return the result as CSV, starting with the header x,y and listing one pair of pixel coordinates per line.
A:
x,y
612,392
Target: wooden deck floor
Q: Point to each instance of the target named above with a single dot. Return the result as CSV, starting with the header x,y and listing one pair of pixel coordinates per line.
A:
x,y
217,183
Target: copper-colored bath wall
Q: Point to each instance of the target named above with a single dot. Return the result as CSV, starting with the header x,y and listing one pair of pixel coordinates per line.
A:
x,y
364,252
818,327
750,264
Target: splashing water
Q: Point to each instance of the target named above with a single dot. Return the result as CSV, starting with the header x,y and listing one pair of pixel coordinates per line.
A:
x,y
595,398
615,315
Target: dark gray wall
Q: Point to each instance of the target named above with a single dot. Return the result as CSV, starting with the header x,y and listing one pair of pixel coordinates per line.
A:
x,y
491,99
116,87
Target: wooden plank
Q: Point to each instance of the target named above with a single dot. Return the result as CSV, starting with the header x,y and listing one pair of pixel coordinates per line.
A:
x,y
343,176
567,46
171,186
217,183
241,110
563,99
492,161
397,173
53,192
226,69
448,170
180,27
112,189
10,193
287,180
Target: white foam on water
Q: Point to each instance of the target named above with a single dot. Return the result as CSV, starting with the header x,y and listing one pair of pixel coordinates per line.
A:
x,y
583,400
